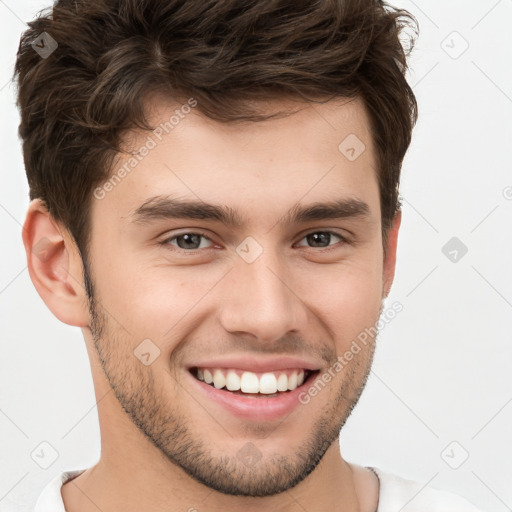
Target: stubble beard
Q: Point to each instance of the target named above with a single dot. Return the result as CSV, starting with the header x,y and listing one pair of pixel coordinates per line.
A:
x,y
169,430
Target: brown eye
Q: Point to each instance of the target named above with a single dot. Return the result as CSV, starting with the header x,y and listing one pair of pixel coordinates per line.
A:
x,y
321,239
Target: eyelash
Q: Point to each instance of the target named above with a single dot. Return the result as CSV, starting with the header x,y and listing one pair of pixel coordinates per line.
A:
x,y
167,241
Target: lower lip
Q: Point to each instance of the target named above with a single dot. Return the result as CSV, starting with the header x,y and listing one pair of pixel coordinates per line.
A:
x,y
255,408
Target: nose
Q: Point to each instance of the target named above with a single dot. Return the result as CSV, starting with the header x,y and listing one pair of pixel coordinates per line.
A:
x,y
259,300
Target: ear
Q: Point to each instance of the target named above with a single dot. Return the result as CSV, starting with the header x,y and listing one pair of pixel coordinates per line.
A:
x,y
390,254
55,266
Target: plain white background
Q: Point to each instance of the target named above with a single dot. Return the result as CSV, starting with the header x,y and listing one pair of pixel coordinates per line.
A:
x,y
441,386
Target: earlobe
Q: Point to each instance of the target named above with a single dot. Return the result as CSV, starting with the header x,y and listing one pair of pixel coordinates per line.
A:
x,y
390,254
55,266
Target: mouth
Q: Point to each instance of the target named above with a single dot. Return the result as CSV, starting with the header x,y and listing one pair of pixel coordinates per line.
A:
x,y
271,384
253,389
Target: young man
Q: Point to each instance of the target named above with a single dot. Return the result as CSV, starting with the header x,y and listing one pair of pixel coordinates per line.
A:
x,y
214,192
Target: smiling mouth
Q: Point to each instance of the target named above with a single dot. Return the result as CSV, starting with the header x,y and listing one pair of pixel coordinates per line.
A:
x,y
253,384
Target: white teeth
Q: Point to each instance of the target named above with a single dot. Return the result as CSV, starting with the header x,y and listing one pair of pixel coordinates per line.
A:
x,y
219,381
249,383
268,384
282,382
232,381
292,381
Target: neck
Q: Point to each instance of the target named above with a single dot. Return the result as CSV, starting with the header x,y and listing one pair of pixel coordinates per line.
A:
x,y
121,481
132,475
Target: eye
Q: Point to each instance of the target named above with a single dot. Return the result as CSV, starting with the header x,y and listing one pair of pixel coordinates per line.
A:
x,y
187,241
321,238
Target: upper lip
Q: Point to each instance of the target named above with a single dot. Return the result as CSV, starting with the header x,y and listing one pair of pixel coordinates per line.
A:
x,y
252,364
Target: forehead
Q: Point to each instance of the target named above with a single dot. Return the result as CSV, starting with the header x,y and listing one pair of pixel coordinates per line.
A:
x,y
304,128
314,152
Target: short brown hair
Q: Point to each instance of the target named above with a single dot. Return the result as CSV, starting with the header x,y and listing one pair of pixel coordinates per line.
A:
x,y
77,102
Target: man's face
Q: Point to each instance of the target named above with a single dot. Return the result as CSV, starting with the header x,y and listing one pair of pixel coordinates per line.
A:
x,y
180,298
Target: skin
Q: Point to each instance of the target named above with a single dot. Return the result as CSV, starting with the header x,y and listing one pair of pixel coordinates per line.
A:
x,y
294,299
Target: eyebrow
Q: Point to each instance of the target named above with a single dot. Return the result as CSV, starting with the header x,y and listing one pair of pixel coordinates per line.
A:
x,y
166,207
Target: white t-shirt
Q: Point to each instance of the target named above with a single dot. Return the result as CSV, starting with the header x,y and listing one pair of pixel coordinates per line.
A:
x,y
395,494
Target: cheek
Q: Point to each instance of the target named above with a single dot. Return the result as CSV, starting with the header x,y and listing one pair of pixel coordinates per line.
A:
x,y
347,298
156,301
165,303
